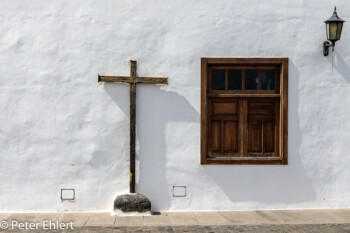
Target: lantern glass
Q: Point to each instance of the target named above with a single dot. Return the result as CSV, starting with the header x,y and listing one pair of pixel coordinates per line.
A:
x,y
327,30
340,27
333,31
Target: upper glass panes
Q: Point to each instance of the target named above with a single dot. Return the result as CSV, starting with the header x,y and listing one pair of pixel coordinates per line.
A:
x,y
268,80
218,79
251,79
234,81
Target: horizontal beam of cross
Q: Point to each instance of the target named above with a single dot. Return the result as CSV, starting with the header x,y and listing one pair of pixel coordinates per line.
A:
x,y
127,79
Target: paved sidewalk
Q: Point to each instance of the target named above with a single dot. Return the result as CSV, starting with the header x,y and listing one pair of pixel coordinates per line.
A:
x,y
221,221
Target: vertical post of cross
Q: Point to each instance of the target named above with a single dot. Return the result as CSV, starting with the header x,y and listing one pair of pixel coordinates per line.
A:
x,y
132,126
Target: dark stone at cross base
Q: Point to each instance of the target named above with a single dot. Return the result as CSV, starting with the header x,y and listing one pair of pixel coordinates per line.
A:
x,y
132,203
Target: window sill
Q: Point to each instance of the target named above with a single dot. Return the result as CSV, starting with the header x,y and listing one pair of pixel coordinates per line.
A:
x,y
245,161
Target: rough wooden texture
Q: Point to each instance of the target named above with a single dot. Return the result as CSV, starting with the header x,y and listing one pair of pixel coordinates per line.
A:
x,y
284,107
126,79
132,126
204,110
132,80
260,136
132,136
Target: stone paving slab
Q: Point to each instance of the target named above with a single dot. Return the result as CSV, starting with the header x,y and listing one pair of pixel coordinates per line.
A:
x,y
185,218
343,214
129,221
320,216
211,218
100,219
157,220
287,217
4,216
40,218
79,219
247,217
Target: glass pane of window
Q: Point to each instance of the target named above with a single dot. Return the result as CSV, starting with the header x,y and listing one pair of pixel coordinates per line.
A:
x,y
218,79
251,79
268,79
234,79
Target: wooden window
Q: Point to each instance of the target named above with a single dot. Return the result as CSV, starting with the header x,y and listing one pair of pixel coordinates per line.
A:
x,y
244,110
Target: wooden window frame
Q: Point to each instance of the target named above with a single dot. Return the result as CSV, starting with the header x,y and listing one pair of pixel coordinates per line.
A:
x,y
282,63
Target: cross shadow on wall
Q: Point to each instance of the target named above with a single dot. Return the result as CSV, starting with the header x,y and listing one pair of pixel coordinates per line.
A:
x,y
154,108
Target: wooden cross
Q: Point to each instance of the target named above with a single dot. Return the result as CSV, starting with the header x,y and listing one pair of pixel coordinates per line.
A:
x,y
132,80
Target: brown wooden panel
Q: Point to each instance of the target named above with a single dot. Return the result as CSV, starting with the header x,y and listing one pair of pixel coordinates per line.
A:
x,y
269,137
277,129
231,136
244,123
260,118
254,137
215,136
225,118
224,108
261,108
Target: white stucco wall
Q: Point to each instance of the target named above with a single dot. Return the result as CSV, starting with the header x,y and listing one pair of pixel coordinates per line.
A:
x,y
59,128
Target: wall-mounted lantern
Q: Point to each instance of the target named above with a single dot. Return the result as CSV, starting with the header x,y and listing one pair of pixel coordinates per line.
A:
x,y
334,26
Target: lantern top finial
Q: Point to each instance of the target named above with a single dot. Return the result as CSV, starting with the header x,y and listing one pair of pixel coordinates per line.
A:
x,y
335,17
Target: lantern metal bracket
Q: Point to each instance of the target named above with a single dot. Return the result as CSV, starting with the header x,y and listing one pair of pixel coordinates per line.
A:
x,y
326,46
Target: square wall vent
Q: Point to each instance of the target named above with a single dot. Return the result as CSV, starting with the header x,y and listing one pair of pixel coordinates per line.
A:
x,y
179,191
67,194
